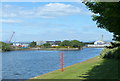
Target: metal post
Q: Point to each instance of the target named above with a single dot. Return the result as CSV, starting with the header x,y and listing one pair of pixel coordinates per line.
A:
x,y
61,62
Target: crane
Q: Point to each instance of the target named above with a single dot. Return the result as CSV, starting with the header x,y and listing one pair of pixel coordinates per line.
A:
x,y
11,37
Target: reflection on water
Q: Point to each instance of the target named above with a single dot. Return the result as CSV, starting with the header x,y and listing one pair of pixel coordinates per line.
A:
x,y
27,64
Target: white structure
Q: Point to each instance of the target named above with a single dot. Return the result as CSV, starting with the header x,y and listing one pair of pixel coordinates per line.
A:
x,y
54,45
99,43
16,44
94,46
40,42
21,44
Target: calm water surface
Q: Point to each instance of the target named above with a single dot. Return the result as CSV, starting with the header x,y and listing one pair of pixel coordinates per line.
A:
x,y
27,64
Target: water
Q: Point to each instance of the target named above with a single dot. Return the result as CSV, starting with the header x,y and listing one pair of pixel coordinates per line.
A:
x,y
28,64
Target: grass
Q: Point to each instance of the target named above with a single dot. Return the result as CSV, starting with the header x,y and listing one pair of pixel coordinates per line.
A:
x,y
95,68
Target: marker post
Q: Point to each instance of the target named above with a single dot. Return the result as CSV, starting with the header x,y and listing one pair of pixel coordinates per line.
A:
x,y
61,62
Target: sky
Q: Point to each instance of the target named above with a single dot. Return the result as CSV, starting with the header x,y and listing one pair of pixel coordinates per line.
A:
x,y
36,21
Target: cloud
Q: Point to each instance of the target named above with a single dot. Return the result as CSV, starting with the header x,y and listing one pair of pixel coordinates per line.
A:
x,y
57,9
58,0
9,11
9,21
50,10
41,0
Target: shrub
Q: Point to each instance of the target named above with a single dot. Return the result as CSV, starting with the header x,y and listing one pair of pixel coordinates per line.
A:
x,y
111,53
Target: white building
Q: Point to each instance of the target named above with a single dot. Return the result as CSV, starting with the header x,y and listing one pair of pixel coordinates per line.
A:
x,y
17,44
40,42
99,43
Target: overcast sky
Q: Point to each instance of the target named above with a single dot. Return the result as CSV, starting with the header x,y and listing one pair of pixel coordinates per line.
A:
x,y
49,21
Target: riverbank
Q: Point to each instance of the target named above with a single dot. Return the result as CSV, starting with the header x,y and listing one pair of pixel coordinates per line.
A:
x,y
55,49
95,68
59,49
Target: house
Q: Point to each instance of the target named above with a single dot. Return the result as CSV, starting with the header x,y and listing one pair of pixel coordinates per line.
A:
x,y
51,42
99,43
57,42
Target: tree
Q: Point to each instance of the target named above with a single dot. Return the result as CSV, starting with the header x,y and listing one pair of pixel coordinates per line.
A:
x,y
33,44
73,43
46,45
5,46
107,16
65,43
76,43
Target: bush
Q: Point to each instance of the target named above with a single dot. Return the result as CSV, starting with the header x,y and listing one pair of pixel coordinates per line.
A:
x,y
111,53
5,46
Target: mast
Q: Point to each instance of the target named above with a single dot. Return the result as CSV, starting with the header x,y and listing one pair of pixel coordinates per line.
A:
x,y
102,38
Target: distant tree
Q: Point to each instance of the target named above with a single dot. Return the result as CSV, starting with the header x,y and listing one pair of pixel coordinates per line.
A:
x,y
65,43
33,44
46,45
76,43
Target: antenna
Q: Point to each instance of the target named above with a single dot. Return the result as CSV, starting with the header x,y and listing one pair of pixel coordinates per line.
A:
x,y
102,38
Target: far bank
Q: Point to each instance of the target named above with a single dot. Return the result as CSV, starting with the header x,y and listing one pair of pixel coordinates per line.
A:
x,y
49,49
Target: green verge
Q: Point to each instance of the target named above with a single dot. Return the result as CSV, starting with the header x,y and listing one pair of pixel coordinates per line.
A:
x,y
95,68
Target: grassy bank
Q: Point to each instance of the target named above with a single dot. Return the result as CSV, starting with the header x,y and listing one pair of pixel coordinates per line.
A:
x,y
95,68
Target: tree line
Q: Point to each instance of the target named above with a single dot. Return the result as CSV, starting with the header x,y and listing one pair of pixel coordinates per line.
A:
x,y
65,43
